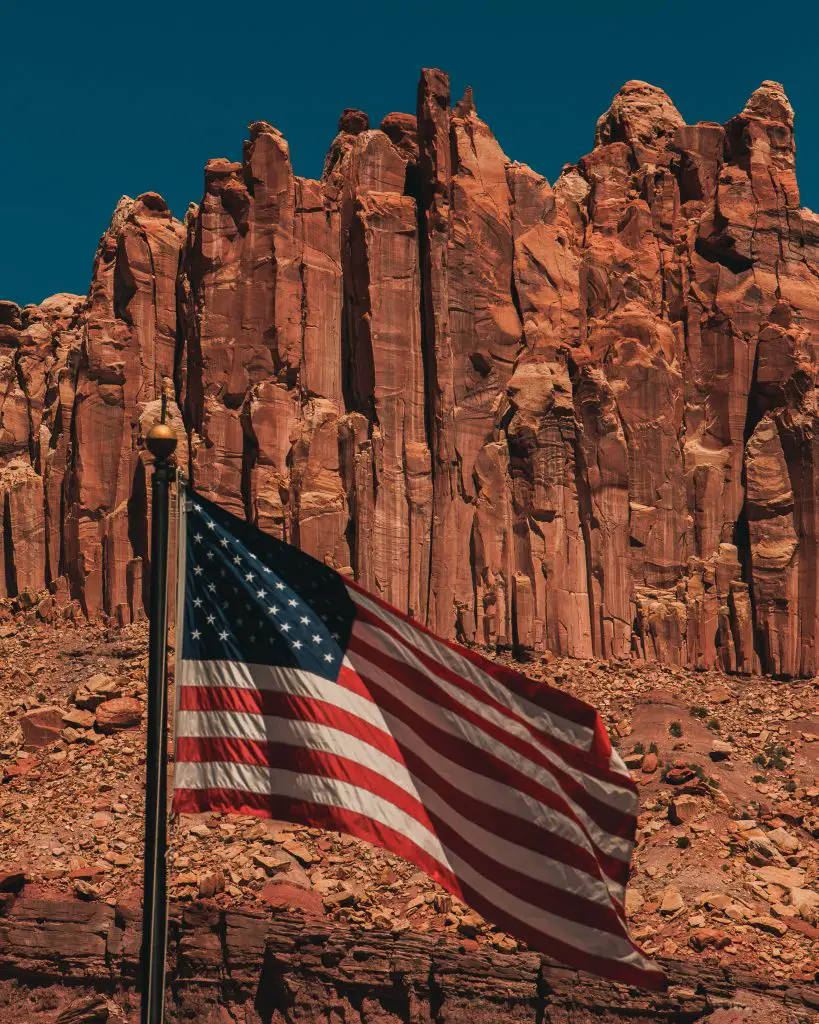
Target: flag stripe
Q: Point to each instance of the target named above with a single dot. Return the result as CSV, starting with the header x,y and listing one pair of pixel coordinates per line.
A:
x,y
470,665
478,754
536,809
421,687
471,680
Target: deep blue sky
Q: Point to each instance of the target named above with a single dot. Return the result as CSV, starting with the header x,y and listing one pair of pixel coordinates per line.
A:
x,y
104,99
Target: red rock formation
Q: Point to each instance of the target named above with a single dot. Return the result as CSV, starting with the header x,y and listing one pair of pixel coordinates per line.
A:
x,y
127,362
578,418
226,965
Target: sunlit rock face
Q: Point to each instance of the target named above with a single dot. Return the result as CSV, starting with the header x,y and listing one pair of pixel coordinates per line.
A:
x,y
578,417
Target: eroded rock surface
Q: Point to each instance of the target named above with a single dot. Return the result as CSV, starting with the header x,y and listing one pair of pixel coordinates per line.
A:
x,y
227,966
578,418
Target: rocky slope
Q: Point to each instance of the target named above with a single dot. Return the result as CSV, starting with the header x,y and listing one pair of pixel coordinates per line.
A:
x,y
724,888
578,418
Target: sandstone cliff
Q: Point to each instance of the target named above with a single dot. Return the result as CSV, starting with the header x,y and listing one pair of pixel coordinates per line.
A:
x,y
578,417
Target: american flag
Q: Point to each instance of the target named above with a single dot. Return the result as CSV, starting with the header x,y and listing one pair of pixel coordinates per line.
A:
x,y
301,697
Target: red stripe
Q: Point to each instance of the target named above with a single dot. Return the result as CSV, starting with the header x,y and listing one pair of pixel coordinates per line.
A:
x,y
320,816
527,835
210,698
579,759
541,694
614,821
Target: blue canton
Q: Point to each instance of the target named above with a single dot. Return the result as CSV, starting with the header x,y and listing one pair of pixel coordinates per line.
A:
x,y
252,598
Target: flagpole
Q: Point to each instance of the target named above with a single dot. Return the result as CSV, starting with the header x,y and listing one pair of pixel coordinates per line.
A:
x,y
161,443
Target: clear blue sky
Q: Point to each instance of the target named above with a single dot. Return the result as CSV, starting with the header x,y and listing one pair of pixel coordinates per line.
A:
x,y
104,99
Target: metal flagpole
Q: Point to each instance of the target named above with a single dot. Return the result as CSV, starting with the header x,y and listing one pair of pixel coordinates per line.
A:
x,y
161,443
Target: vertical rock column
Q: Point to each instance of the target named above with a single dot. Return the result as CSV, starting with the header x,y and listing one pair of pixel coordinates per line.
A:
x,y
385,373
261,300
541,428
473,336
128,361
48,360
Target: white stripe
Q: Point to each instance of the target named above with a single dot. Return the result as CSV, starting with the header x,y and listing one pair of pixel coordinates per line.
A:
x,y
622,799
548,721
335,793
306,684
314,736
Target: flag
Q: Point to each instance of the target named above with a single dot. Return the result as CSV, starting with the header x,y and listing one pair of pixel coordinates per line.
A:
x,y
304,698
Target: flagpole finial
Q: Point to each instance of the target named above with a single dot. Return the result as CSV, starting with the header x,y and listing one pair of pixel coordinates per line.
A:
x,y
161,441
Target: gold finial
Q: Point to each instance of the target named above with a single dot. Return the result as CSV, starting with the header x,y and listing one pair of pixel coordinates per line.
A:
x,y
161,439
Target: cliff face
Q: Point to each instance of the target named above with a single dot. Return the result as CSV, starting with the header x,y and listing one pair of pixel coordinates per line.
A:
x,y
579,418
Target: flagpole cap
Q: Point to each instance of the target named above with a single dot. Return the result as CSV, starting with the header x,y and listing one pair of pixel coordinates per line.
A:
x,y
161,441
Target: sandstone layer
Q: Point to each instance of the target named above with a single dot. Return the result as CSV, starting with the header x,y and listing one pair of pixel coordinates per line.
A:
x,y
243,967
577,418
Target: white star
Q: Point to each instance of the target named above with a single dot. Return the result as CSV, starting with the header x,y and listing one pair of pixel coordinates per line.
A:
x,y
223,635
210,555
211,587
237,560
197,539
211,619
211,524
267,570
304,620
286,627
316,638
292,602
198,570
249,576
224,542
197,508
273,610
195,634
240,622
335,636
252,637
261,593
328,657
252,555
297,645
197,602
279,586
